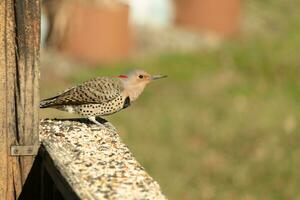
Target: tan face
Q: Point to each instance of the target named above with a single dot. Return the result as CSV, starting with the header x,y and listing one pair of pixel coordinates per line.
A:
x,y
143,77
136,81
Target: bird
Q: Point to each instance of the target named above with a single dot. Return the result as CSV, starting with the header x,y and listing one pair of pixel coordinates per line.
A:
x,y
102,96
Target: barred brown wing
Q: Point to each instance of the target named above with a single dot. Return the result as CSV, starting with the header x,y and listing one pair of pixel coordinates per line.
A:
x,y
97,90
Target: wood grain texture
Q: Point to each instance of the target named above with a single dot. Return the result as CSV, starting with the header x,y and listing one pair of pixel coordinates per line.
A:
x,y
19,74
95,162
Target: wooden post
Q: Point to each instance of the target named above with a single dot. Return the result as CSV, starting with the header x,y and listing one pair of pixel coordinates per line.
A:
x,y
19,98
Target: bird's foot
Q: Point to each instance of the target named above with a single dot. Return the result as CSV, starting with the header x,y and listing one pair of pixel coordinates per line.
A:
x,y
93,119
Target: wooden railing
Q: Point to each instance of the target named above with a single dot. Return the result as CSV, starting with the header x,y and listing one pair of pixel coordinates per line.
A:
x,y
79,160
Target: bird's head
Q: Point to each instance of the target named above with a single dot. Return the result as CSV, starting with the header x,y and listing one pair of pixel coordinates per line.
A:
x,y
139,77
136,80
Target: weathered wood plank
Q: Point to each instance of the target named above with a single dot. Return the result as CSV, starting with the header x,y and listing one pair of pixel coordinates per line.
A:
x,y
19,60
27,42
95,162
7,60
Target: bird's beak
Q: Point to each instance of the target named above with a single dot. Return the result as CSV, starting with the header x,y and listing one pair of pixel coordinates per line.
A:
x,y
155,77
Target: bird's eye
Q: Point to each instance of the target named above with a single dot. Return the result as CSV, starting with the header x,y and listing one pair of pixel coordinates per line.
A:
x,y
141,76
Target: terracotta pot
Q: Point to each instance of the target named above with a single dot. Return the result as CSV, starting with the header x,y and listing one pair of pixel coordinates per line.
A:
x,y
217,16
95,33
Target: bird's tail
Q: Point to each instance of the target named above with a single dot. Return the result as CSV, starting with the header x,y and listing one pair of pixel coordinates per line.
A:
x,y
48,102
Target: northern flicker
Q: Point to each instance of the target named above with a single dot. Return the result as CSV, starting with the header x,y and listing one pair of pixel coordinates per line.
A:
x,y
101,96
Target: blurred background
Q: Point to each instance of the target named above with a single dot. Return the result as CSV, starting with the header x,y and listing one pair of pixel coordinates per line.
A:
x,y
225,123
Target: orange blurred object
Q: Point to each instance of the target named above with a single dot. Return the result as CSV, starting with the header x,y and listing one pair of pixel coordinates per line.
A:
x,y
221,17
95,33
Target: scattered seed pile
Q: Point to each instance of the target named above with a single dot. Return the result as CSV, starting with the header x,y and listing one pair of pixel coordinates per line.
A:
x,y
95,162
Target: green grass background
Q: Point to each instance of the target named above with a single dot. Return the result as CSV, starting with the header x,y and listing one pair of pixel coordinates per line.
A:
x,y
225,123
